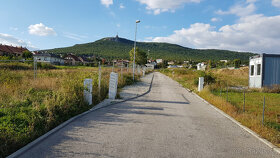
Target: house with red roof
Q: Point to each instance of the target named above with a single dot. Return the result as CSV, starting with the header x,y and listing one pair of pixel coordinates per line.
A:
x,y
11,50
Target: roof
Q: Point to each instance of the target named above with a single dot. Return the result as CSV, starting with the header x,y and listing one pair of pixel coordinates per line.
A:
x,y
73,57
47,55
11,49
265,55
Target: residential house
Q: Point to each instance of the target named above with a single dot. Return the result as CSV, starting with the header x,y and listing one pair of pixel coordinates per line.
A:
x,y
72,59
201,66
225,61
10,50
159,61
170,63
48,58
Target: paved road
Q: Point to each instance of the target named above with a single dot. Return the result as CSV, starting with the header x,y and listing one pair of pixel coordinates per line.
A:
x,y
167,122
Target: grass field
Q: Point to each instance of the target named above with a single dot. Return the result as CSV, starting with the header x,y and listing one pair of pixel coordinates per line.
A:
x,y
29,108
215,93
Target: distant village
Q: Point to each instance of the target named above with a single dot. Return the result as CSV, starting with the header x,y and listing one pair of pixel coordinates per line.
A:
x,y
72,59
257,76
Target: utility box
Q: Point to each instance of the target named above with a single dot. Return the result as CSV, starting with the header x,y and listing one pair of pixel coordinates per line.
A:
x,y
264,70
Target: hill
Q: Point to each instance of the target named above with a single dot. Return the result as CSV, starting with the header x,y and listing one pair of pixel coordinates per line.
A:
x,y
115,47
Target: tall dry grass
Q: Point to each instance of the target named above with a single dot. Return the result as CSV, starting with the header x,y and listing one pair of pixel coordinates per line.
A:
x,y
30,108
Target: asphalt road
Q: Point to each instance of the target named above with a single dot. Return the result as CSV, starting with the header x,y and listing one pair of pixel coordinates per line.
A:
x,y
167,122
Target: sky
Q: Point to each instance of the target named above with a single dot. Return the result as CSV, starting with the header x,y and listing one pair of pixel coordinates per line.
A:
x,y
239,25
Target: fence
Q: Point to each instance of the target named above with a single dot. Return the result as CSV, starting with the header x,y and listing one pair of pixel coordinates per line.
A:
x,y
265,106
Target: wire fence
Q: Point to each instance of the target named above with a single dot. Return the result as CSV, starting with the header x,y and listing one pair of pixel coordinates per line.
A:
x,y
265,106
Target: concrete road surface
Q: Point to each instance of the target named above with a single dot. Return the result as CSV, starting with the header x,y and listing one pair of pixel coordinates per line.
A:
x,y
168,122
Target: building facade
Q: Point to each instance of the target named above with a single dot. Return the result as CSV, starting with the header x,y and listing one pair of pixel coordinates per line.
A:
x,y
49,58
264,71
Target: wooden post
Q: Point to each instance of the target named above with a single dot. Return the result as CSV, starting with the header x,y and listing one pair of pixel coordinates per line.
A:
x,y
122,71
99,80
227,92
263,110
244,100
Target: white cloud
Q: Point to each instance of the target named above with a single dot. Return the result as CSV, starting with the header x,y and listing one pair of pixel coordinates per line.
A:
x,y
11,40
107,3
14,28
74,36
122,6
243,9
40,30
256,33
159,6
276,3
216,19
118,25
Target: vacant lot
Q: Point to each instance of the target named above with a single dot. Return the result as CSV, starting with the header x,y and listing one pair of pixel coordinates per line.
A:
x,y
30,107
215,92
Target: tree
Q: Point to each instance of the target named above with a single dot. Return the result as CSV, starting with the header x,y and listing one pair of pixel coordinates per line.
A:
x,y
237,63
140,56
26,54
209,66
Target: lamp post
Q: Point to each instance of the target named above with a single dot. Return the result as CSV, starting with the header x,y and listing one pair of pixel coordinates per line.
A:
x,y
137,21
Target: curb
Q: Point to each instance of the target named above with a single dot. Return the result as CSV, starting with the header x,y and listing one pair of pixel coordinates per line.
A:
x,y
266,142
56,129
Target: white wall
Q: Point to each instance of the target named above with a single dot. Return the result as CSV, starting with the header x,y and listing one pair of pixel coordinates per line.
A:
x,y
255,80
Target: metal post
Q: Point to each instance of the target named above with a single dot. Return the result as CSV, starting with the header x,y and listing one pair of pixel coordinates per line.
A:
x,y
122,71
244,100
113,66
263,110
227,91
134,48
35,68
99,80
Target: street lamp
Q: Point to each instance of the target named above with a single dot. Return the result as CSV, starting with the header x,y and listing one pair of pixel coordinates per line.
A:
x,y
137,21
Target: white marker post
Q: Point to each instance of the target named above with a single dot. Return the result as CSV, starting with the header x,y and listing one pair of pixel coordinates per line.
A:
x,y
88,90
113,85
200,83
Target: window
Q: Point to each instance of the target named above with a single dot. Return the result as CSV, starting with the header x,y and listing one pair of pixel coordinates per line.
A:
x,y
252,70
259,69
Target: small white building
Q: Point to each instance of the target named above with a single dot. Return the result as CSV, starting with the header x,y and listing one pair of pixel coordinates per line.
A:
x,y
150,66
159,61
49,58
225,61
170,63
201,66
264,71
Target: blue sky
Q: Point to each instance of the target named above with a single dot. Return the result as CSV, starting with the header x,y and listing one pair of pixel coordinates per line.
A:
x,y
241,25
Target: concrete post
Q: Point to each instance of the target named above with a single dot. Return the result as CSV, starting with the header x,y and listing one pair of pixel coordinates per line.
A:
x,y
88,90
113,85
200,83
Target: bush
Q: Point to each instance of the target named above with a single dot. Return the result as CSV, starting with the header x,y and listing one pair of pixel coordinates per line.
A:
x,y
45,66
209,78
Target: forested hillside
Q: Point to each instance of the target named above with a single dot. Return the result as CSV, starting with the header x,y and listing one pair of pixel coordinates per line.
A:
x,y
119,48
